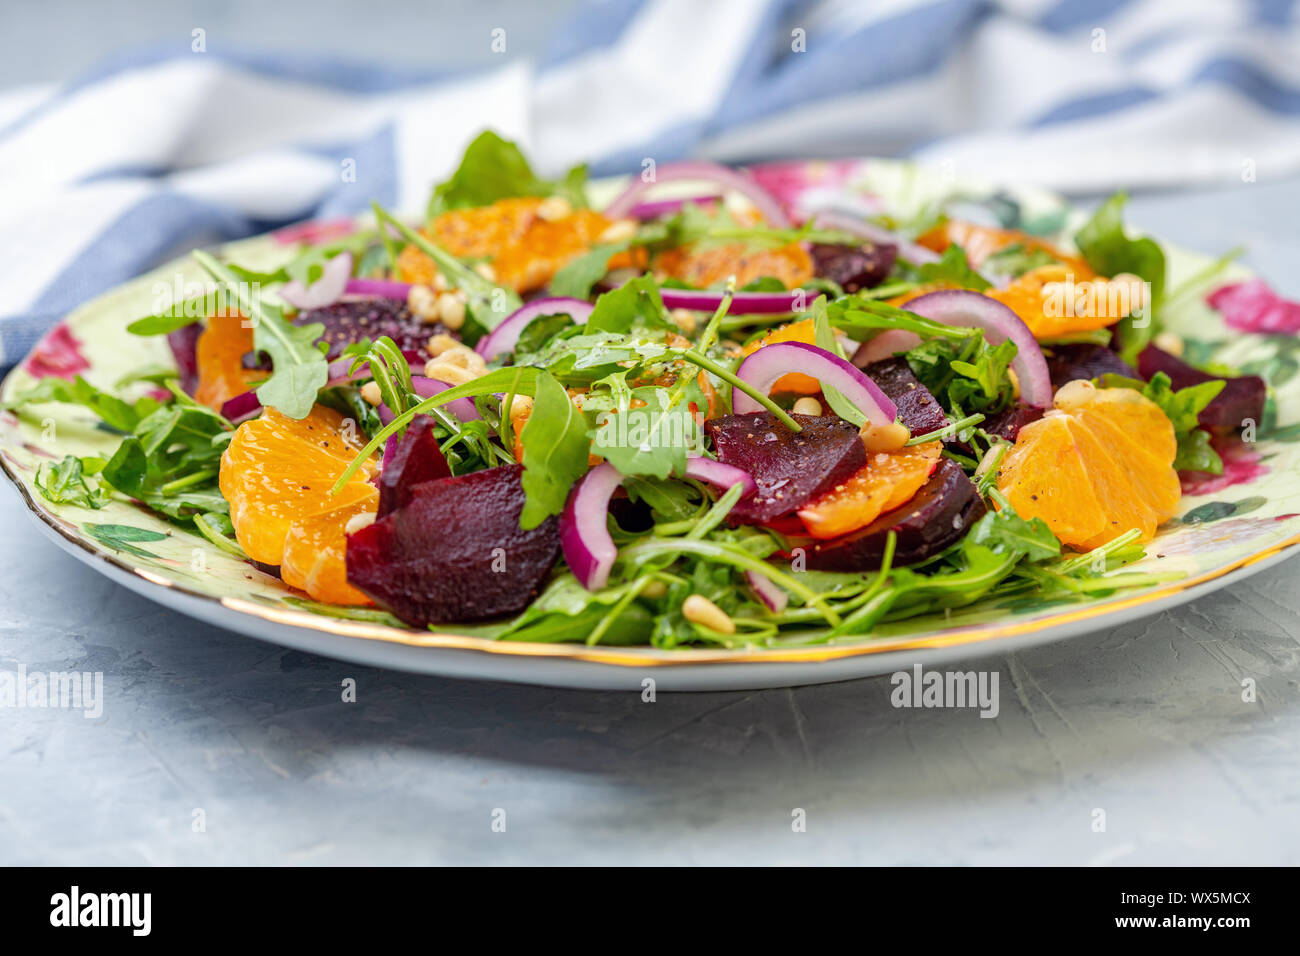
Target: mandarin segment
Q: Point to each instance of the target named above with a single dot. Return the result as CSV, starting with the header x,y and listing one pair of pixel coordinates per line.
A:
x,y
887,481
1099,464
277,474
220,352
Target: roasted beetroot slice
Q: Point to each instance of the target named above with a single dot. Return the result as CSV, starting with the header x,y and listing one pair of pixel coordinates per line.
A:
x,y
939,514
1007,423
417,459
1242,397
854,267
455,551
352,320
790,468
184,343
1065,363
917,408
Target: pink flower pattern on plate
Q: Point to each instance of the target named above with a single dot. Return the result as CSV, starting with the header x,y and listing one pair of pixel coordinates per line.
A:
x,y
59,354
1254,307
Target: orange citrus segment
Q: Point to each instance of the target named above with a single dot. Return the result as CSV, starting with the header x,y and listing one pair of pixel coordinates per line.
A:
x,y
525,249
887,481
220,354
277,473
980,242
708,265
1099,464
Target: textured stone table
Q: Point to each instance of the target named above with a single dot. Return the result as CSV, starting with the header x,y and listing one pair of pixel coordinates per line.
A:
x,y
1145,723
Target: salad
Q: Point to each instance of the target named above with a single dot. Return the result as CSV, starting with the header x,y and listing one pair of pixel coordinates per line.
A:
x,y
683,418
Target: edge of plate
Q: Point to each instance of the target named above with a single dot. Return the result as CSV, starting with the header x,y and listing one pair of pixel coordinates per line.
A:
x,y
646,657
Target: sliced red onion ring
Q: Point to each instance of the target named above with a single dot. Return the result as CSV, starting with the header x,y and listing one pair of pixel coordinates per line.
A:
x,y
720,476
771,362
962,307
379,288
242,407
505,336
462,408
885,345
324,291
913,253
742,303
663,207
726,178
767,592
589,551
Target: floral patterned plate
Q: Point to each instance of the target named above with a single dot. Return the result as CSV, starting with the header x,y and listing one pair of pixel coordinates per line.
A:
x,y
1229,525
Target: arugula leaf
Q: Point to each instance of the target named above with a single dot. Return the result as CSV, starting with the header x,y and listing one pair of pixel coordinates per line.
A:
x,y
575,279
632,306
953,267
1108,251
556,447
1015,260
1182,408
298,368
65,482
1005,532
112,410
651,439
825,339
494,168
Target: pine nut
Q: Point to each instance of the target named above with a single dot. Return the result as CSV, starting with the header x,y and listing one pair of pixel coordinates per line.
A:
x,y
370,392
807,406
684,319
700,610
553,208
358,521
889,437
619,231
486,271
451,310
423,303
439,344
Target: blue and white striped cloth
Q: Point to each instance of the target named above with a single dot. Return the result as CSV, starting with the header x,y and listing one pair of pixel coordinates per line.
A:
x,y
163,150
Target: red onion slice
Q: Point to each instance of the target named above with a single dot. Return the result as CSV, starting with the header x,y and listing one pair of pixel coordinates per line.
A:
x,y
505,336
885,345
655,208
742,303
769,593
462,408
242,407
962,307
589,551
771,362
324,291
701,171
378,288
913,253
721,476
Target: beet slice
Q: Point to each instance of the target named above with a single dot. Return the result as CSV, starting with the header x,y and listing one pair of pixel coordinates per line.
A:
x,y
455,551
790,468
854,267
939,514
184,343
1242,396
1065,363
417,459
351,320
1008,422
917,408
